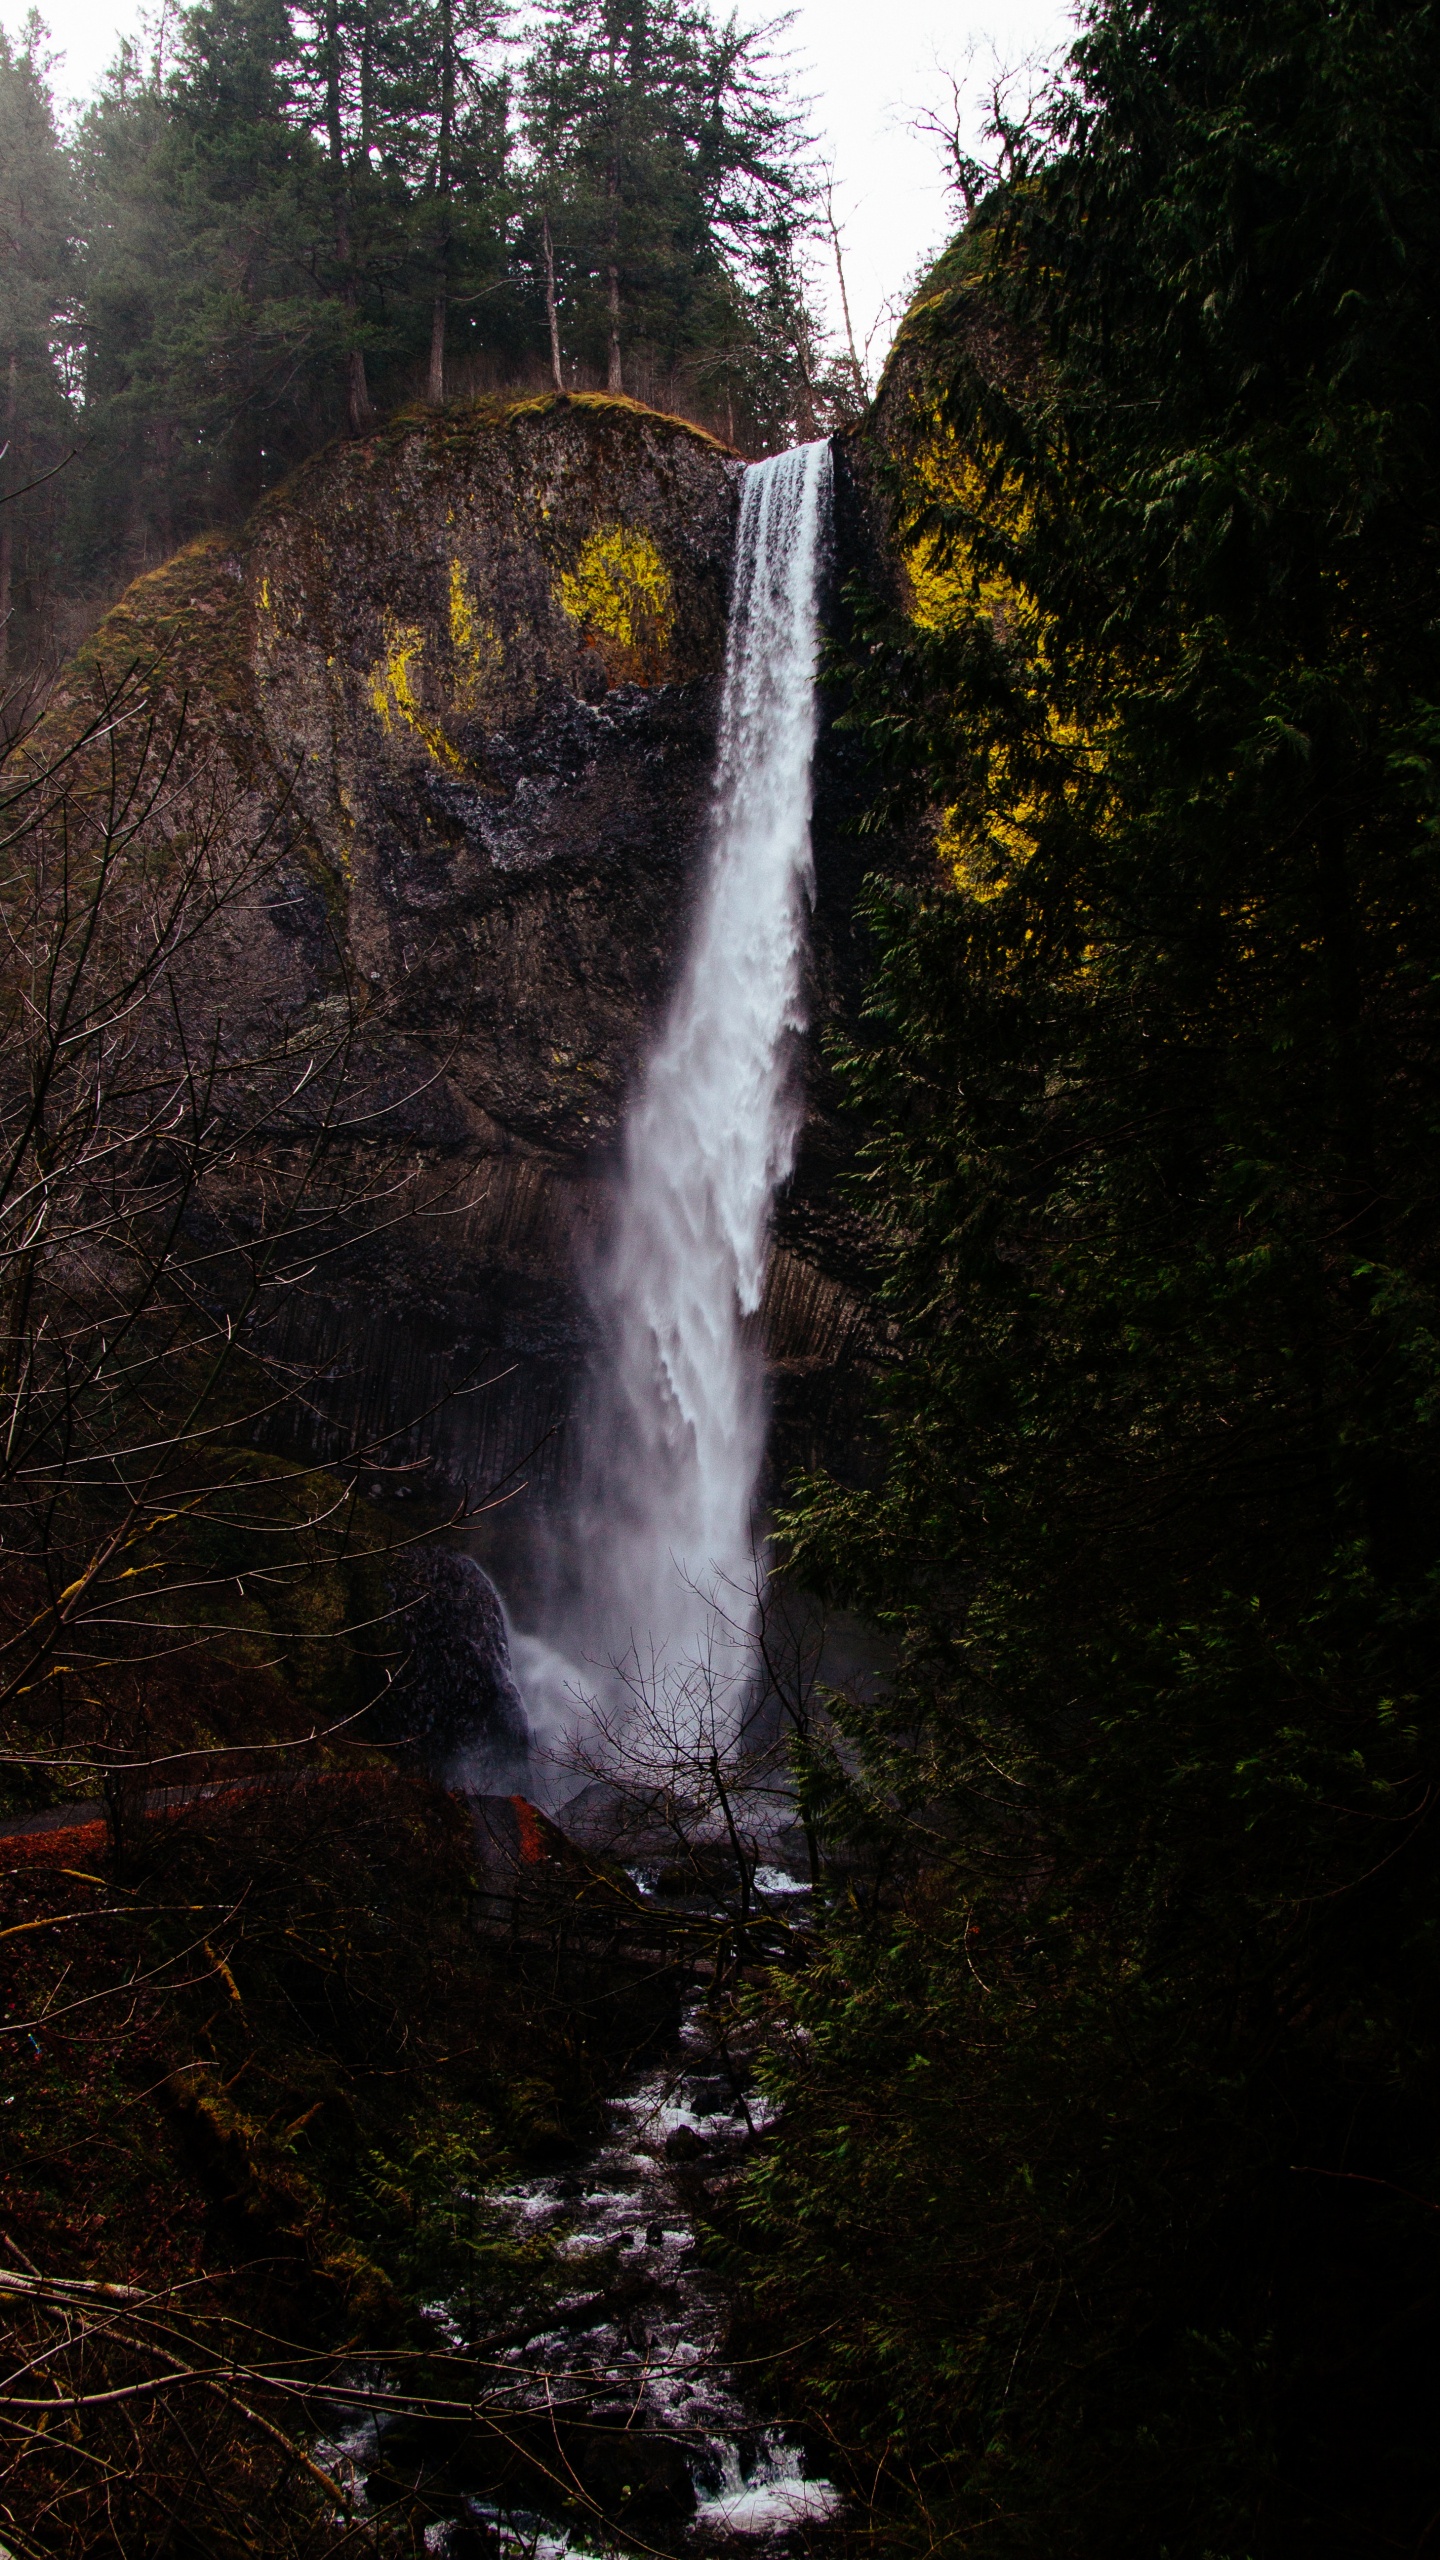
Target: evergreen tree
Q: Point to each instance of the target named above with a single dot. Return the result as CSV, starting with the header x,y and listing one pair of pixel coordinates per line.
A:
x,y
248,290
312,214
1108,2188
461,191
668,173
210,343
38,333
348,56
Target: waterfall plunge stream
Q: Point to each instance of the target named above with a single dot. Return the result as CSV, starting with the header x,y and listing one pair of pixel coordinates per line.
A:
x,y
627,2367
658,1573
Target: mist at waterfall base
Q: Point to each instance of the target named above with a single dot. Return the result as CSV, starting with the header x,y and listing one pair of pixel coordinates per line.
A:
x,y
656,1573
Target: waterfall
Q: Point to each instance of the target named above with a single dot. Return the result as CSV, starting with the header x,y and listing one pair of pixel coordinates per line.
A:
x,y
659,1534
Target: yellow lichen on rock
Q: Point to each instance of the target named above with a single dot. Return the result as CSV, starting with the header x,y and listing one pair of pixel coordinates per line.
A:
x,y
619,595
474,641
395,682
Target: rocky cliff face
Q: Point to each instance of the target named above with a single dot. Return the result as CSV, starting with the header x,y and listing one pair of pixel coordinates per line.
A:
x,y
467,671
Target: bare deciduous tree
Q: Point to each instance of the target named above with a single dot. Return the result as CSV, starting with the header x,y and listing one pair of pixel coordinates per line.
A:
x,y
688,1772
170,1177
174,1169
1004,108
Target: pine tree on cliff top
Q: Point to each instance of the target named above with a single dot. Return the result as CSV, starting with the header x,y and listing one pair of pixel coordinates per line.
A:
x,y
213,353
304,217
670,167
459,152
230,326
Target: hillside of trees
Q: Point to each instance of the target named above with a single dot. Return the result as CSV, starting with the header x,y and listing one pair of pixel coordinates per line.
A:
x,y
1107,2214
275,225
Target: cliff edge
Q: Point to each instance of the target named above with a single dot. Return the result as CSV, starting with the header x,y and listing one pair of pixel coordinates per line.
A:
x,y
466,673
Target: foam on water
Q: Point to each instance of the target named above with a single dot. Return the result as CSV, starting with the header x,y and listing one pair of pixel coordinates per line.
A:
x,y
662,2361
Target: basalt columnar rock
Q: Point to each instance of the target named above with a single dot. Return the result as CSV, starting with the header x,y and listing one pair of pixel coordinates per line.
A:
x,y
466,671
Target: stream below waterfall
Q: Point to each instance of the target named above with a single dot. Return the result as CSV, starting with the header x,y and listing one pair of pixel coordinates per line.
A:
x,y
616,2421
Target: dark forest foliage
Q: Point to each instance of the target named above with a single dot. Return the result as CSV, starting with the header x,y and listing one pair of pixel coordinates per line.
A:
x,y
302,218
1109,2202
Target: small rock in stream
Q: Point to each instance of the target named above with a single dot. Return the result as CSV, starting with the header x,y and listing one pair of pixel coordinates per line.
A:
x,y
711,2098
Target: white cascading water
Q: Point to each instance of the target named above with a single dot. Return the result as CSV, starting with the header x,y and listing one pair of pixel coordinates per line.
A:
x,y
660,1532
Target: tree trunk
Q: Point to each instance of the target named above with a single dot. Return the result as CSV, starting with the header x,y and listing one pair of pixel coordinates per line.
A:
x,y
367,83
435,389
443,155
7,516
358,389
805,419
550,311
617,378
361,407
856,368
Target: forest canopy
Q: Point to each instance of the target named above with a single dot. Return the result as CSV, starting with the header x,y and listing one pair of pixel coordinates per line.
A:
x,y
294,220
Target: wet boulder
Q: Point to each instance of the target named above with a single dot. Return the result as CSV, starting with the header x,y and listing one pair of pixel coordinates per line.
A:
x,y
455,1704
636,2472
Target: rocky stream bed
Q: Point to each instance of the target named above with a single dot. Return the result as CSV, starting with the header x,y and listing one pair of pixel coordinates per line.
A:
x,y
616,2421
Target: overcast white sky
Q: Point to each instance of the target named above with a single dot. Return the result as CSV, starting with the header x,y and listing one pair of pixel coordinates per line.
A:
x,y
867,65
870,67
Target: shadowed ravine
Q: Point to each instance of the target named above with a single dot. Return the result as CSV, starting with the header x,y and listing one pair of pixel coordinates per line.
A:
x,y
618,2401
